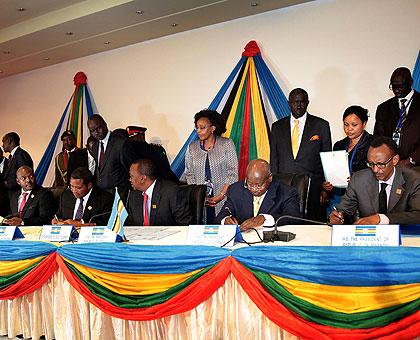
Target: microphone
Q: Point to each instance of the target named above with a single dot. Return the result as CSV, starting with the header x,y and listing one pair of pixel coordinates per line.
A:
x,y
99,215
126,200
276,235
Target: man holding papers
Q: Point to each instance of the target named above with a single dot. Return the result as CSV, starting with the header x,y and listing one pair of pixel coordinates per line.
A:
x,y
259,200
383,194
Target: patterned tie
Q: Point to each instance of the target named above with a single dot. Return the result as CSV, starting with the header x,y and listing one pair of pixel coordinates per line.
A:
x,y
257,205
404,111
79,212
101,155
22,203
383,199
295,138
145,210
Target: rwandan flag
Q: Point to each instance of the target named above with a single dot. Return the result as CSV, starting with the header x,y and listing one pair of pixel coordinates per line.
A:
x,y
118,216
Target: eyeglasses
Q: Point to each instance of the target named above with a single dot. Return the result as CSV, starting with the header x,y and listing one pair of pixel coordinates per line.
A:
x,y
256,186
379,165
398,86
197,128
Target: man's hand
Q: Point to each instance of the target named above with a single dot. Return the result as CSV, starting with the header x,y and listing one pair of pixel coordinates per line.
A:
x,y
13,221
327,186
323,197
252,222
231,220
372,219
336,217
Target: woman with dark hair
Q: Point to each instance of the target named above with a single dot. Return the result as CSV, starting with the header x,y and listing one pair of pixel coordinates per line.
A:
x,y
211,160
356,144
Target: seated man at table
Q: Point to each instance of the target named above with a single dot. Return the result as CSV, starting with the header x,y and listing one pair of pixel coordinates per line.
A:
x,y
155,201
83,202
383,194
32,205
259,200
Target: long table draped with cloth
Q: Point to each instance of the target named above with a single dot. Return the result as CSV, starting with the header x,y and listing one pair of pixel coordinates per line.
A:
x,y
133,291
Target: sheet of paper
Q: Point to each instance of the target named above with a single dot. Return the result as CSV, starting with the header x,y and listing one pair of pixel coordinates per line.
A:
x,y
148,233
336,167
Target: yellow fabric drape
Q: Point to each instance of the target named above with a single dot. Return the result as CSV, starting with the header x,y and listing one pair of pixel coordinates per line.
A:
x,y
133,284
13,267
351,299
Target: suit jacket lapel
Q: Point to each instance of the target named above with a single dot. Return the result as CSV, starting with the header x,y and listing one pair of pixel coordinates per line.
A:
x,y
372,190
107,151
90,204
397,189
269,199
29,201
154,206
288,138
307,129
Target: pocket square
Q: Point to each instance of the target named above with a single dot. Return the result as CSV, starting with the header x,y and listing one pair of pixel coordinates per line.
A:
x,y
315,137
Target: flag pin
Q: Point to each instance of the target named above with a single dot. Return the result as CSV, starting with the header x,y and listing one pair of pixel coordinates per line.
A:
x,y
398,191
153,206
90,207
32,196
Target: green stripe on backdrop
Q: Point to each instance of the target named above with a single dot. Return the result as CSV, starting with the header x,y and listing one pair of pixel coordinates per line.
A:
x,y
134,301
8,280
311,312
237,127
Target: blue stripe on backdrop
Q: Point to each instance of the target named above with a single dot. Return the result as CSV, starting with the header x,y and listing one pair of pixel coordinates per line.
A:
x,y
337,266
89,108
138,259
274,93
416,74
44,164
178,165
22,250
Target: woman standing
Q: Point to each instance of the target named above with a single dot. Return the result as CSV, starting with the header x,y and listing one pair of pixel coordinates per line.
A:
x,y
356,144
211,160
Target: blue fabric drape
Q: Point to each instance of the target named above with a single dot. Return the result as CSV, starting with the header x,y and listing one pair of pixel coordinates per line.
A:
x,y
22,250
44,164
416,74
337,266
137,259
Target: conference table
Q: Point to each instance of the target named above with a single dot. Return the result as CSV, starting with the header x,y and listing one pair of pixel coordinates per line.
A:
x,y
165,289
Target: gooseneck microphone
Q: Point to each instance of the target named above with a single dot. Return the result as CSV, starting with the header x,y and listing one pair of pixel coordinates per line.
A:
x,y
99,215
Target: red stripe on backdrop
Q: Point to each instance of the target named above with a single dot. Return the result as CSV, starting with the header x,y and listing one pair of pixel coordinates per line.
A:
x,y
407,328
73,109
35,279
196,293
246,126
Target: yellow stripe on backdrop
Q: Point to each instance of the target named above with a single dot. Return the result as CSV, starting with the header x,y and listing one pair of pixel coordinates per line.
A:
x,y
261,133
351,299
133,284
13,267
232,113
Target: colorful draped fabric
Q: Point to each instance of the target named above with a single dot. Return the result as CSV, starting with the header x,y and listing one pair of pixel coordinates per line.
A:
x,y
312,292
250,100
78,109
416,74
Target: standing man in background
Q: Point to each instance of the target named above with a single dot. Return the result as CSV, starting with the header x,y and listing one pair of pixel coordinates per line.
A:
x,y
399,117
62,159
296,142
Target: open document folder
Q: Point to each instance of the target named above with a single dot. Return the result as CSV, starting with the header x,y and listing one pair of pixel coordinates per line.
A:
x,y
336,167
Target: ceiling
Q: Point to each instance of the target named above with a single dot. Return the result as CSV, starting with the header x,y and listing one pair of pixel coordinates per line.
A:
x,y
39,33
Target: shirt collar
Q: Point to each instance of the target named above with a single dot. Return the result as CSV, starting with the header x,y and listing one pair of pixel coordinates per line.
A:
x,y
407,97
301,120
149,190
390,179
14,150
105,140
86,197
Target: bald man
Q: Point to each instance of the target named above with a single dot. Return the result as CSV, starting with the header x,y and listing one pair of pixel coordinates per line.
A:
x,y
32,205
259,200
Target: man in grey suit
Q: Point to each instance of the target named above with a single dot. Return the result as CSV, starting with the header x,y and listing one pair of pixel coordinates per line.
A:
x,y
384,194
295,144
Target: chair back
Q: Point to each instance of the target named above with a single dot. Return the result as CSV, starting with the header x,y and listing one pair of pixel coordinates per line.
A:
x,y
301,183
196,196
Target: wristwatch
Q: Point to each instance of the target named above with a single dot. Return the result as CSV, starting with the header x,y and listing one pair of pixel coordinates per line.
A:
x,y
411,161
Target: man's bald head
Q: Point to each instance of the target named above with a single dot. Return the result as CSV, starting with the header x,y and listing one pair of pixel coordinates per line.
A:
x,y
258,177
401,82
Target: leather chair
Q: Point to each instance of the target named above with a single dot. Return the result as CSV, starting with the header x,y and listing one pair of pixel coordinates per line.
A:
x,y
196,195
301,183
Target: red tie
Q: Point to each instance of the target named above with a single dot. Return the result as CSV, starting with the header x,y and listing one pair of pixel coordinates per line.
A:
x,y
145,210
101,155
22,203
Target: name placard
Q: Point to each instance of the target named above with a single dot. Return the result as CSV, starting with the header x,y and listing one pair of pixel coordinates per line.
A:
x,y
96,234
211,235
10,232
366,235
57,232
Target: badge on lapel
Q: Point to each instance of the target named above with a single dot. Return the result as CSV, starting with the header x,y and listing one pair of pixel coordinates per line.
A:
x,y
398,191
154,206
32,195
314,138
89,207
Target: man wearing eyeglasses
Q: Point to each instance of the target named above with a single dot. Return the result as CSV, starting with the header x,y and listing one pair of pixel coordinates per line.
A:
x,y
383,194
399,117
259,200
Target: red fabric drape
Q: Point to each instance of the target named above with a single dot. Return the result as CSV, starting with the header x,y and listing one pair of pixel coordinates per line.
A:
x,y
251,49
35,279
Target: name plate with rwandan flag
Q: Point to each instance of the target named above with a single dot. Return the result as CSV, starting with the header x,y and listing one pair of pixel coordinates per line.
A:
x,y
211,235
10,232
366,235
96,234
58,233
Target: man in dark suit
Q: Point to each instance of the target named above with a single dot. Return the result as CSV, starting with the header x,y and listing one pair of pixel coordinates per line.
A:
x,y
18,157
32,205
155,152
3,162
113,155
384,194
296,142
399,117
84,202
155,201
82,158
259,200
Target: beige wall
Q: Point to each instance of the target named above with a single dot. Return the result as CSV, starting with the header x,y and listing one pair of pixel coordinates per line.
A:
x,y
342,52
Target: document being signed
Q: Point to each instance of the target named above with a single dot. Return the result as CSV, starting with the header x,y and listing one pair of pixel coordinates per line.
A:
x,y
336,167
